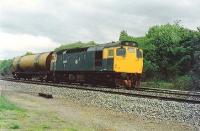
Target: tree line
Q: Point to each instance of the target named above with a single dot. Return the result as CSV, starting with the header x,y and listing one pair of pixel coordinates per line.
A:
x,y
170,54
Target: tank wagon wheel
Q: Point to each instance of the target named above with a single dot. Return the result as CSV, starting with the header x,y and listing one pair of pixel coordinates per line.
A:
x,y
55,78
93,84
46,80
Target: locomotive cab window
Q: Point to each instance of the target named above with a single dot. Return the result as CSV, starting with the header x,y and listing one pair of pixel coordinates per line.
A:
x,y
139,53
121,52
110,53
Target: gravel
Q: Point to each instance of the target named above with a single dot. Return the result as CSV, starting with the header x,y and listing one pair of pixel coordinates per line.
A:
x,y
148,108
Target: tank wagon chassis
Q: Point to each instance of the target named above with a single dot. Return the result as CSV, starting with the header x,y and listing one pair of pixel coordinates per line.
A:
x,y
116,64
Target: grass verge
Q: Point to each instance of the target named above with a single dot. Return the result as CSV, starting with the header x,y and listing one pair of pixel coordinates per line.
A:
x,y
6,105
15,117
10,114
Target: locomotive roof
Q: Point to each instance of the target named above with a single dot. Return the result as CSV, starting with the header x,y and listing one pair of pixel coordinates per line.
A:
x,y
119,43
99,47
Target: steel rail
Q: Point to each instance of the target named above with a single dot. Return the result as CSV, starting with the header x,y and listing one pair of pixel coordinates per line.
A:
x,y
159,94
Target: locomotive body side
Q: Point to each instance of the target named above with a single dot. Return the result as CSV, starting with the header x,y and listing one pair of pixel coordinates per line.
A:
x,y
115,64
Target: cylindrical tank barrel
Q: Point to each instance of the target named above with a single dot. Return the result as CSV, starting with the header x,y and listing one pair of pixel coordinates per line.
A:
x,y
26,63
15,64
33,63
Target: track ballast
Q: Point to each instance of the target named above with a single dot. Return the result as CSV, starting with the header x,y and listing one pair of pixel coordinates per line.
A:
x,y
151,93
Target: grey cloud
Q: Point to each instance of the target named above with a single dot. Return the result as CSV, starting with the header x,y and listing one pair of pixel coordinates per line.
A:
x,y
67,21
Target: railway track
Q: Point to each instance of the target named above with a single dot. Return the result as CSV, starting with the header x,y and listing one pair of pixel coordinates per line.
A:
x,y
168,91
151,93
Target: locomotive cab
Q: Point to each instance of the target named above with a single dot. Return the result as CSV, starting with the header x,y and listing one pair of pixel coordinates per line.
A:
x,y
126,58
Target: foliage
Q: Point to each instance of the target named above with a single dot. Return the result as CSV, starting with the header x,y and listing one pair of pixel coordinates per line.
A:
x,y
5,66
125,37
183,82
78,44
169,53
169,50
28,53
195,73
158,84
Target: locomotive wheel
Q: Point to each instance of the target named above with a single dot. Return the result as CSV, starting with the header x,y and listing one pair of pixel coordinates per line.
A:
x,y
111,82
55,80
81,83
137,85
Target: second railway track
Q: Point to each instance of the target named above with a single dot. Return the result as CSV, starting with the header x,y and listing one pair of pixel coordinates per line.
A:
x,y
151,93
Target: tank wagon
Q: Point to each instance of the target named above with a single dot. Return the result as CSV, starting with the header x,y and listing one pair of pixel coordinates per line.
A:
x,y
36,65
113,64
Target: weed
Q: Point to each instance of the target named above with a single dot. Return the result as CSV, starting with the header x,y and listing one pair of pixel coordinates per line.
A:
x,y
45,126
14,126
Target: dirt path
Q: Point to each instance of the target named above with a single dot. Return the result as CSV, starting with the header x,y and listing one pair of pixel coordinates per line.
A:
x,y
61,113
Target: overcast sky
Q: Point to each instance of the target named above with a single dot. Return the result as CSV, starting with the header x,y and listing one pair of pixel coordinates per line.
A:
x,y
42,25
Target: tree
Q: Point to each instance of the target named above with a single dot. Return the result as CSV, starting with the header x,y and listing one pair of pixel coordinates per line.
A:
x,y
5,67
125,37
198,28
170,51
28,53
78,44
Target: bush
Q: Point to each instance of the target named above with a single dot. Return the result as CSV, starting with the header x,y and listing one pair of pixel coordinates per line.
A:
x,y
183,82
5,67
78,44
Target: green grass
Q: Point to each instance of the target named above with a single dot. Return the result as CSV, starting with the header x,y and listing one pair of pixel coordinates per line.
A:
x,y
14,117
158,84
10,114
6,105
14,126
71,129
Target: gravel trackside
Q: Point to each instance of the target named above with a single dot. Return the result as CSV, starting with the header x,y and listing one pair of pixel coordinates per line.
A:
x,y
147,108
